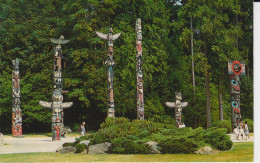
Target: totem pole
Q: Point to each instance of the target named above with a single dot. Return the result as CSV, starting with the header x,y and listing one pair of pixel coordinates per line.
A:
x,y
16,110
235,68
57,98
110,63
139,71
178,105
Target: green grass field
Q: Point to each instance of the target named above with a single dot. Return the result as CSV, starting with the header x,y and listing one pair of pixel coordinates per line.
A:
x,y
241,152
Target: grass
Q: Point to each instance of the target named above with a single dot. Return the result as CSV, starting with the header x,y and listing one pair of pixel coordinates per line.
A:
x,y
241,152
40,135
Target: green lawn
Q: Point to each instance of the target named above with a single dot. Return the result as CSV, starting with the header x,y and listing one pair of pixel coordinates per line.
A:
x,y
242,152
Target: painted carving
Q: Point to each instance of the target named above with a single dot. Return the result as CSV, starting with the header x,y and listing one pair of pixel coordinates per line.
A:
x,y
57,104
110,63
178,105
235,68
139,71
16,103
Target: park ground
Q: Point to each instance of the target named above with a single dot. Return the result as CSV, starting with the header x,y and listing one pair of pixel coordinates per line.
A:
x,y
41,149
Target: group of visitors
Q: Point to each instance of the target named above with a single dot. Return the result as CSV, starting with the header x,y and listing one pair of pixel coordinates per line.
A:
x,y
241,131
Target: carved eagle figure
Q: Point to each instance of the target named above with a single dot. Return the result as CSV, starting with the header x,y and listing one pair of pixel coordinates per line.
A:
x,y
49,104
109,36
173,104
59,41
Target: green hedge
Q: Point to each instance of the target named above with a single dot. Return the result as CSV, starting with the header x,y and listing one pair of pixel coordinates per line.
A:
x,y
181,145
124,145
80,148
218,139
129,137
69,144
223,124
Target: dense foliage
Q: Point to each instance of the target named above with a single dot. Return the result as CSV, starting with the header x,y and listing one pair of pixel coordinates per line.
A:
x,y
130,137
223,124
222,30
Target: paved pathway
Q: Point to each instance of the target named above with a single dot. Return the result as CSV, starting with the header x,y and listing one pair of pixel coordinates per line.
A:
x,y
30,144
233,139
45,144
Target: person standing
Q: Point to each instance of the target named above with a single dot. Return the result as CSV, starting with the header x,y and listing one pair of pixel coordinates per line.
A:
x,y
236,132
83,129
246,131
241,130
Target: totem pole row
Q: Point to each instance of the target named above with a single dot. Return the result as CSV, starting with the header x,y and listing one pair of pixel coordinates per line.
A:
x,y
57,104
235,68
16,103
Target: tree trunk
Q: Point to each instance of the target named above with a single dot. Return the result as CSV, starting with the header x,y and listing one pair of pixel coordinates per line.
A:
x,y
193,74
220,101
208,100
247,70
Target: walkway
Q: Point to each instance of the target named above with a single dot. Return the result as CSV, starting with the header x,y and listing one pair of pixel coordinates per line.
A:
x,y
31,144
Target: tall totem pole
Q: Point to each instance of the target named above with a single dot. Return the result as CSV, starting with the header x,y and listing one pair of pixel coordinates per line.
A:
x,y
178,105
110,63
57,98
235,68
139,71
16,110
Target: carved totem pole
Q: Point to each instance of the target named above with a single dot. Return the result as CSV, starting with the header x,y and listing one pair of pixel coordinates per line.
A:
x,y
16,110
235,68
139,71
57,98
178,105
110,63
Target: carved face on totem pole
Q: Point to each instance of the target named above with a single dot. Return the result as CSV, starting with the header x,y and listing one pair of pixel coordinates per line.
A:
x,y
236,67
178,96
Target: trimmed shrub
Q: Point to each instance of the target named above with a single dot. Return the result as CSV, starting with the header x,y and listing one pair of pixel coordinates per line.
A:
x,y
123,145
80,148
250,124
182,145
69,144
114,121
166,119
223,124
218,139
78,140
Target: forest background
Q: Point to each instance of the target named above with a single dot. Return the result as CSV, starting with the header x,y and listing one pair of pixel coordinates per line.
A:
x,y
220,30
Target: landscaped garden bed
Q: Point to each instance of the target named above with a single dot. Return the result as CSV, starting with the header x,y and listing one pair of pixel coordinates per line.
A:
x,y
122,136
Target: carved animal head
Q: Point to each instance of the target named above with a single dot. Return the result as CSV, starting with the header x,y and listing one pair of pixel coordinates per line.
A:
x,y
178,96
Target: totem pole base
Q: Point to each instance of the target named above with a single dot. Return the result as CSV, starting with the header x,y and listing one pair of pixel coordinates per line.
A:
x,y
18,136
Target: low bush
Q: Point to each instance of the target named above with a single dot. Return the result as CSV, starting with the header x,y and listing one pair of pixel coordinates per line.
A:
x,y
129,137
223,124
69,144
114,121
80,148
182,145
218,139
82,138
123,145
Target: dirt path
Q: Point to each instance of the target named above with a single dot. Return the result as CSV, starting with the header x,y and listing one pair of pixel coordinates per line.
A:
x,y
30,144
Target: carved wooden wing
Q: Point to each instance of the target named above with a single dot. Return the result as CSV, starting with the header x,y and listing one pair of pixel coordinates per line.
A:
x,y
66,105
45,104
102,35
59,41
170,104
184,104
115,36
